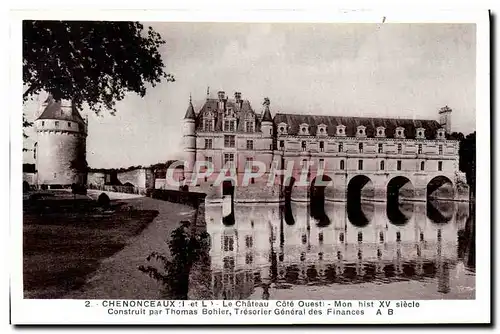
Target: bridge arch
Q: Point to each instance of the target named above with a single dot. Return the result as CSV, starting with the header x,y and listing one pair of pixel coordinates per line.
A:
x,y
317,199
441,187
360,187
400,188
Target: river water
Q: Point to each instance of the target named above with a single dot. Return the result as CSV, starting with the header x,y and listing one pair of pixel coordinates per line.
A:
x,y
364,250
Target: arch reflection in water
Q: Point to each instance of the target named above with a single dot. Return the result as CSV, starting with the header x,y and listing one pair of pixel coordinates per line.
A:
x,y
360,213
263,265
399,213
440,187
317,199
440,212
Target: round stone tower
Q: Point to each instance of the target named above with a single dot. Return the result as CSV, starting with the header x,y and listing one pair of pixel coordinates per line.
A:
x,y
189,134
266,126
61,145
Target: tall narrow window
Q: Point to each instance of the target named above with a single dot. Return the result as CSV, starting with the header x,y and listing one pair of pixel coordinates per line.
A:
x,y
249,241
360,147
398,165
400,148
440,149
419,148
282,144
381,236
208,143
304,146
341,237
320,238
342,165
380,148
360,164
341,147
321,146
360,236
440,165
422,165
398,236
69,124
382,165
321,163
249,144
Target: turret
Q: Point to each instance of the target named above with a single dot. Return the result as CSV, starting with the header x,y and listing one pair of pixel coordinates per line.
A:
x,y
445,118
267,120
61,145
189,134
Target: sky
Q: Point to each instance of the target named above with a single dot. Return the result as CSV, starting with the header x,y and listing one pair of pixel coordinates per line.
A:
x,y
373,70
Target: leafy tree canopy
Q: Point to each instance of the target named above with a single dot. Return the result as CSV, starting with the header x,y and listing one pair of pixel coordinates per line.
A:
x,y
91,62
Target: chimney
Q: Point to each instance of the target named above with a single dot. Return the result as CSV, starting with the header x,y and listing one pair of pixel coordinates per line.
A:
x,y
221,95
222,100
237,98
445,118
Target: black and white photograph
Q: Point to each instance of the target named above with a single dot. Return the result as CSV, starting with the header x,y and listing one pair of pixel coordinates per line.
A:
x,y
250,169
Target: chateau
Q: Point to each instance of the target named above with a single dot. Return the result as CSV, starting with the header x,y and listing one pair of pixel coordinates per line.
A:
x,y
373,157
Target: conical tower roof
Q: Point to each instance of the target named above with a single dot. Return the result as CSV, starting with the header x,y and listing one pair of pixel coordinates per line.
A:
x,y
190,111
60,110
267,114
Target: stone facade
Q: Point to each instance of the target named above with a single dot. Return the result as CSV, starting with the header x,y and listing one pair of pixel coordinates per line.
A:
x,y
376,155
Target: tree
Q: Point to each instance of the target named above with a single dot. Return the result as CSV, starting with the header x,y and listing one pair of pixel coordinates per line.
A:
x,y
93,62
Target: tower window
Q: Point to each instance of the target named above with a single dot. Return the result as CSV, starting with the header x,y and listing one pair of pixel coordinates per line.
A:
x,y
321,145
208,143
360,164
341,147
228,243
398,165
341,237
419,148
381,237
422,165
342,165
282,144
249,144
400,148
249,241
440,165
69,124
360,236
380,148
398,236
361,147
43,123
304,146
382,165
56,123
440,149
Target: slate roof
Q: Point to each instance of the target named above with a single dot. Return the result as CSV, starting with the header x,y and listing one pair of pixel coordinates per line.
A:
x,y
241,114
351,123
53,110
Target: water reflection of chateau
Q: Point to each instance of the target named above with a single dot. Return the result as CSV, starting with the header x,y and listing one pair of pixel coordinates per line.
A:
x,y
267,244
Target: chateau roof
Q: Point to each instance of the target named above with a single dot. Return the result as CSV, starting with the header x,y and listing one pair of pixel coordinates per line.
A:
x,y
54,110
243,112
267,116
351,123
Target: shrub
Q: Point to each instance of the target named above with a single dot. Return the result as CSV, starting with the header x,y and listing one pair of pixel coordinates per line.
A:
x,y
103,200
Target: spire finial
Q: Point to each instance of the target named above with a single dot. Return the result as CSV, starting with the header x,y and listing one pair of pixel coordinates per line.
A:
x,y
190,98
208,91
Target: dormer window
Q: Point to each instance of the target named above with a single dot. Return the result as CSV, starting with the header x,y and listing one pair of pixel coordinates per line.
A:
x,y
420,134
399,132
340,130
249,123
441,134
229,125
304,129
282,128
380,132
321,130
361,131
